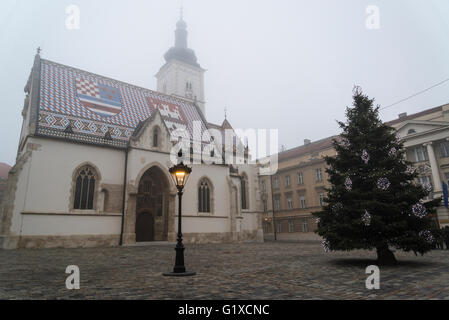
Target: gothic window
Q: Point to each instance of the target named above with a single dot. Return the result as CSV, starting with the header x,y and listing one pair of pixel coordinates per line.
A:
x,y
244,192
85,188
204,197
155,137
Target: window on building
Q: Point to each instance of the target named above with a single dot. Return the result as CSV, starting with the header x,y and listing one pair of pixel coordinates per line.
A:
x,y
265,205
305,225
204,195
410,131
425,180
264,186
86,178
321,199
155,137
266,227
319,174
444,149
300,178
279,227
291,226
287,181
276,182
244,192
419,154
289,203
277,204
302,202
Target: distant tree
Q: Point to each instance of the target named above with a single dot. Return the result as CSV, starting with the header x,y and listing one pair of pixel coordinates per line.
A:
x,y
373,201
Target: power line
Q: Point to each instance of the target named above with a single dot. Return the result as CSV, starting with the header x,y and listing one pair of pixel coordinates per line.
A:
x,y
416,94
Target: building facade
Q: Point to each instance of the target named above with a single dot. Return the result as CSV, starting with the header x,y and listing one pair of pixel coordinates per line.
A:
x,y
426,139
93,158
290,196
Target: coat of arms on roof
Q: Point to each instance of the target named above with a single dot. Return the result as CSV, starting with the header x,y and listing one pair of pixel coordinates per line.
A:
x,y
102,99
172,114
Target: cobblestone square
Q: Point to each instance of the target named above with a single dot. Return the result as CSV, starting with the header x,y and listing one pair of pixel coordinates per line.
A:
x,y
224,271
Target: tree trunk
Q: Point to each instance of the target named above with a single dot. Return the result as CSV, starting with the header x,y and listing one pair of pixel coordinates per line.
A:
x,y
385,256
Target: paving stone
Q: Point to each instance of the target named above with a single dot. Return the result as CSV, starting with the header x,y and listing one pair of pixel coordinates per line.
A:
x,y
224,271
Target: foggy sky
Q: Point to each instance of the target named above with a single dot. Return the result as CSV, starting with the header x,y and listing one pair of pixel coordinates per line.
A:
x,y
284,64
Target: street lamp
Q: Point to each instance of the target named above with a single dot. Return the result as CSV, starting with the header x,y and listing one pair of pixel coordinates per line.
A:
x,y
180,174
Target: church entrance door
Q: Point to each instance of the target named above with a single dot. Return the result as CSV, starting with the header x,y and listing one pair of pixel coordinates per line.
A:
x,y
152,207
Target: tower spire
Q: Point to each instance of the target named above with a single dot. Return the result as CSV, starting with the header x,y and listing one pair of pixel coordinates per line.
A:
x,y
181,32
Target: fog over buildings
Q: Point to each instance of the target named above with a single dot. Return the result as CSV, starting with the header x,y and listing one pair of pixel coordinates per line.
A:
x,y
287,65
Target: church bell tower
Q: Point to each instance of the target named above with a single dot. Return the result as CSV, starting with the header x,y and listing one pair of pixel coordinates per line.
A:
x,y
181,75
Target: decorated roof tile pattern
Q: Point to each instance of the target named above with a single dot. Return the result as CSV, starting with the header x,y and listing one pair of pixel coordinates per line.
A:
x,y
93,104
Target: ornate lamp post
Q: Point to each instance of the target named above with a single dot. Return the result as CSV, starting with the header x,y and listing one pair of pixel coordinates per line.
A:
x,y
180,174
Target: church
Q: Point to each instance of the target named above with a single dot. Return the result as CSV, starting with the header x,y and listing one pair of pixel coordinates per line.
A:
x,y
93,159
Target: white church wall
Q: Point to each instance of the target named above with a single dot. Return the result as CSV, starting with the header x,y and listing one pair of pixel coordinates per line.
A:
x,y
204,225
52,169
19,200
37,225
194,222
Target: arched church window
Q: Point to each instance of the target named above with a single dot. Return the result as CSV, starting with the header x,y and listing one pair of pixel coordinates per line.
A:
x,y
86,179
411,131
155,137
244,192
204,197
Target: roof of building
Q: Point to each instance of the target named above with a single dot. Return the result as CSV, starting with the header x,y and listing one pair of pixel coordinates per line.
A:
x,y
180,51
415,115
307,148
94,105
327,142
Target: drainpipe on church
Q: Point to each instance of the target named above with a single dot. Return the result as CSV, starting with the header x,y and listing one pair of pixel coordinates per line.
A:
x,y
124,194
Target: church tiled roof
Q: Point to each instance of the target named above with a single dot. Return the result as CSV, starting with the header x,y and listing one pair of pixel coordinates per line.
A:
x,y
93,105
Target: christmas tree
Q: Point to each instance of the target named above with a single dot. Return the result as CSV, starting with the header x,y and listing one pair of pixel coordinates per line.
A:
x,y
374,201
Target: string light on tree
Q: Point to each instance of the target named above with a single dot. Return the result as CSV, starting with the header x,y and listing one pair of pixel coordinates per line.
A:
x,y
383,183
419,210
348,184
366,218
365,156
